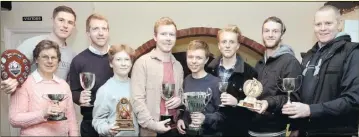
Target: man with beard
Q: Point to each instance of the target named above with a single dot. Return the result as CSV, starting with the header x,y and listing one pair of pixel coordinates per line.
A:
x,y
149,72
232,120
330,91
279,62
63,24
95,60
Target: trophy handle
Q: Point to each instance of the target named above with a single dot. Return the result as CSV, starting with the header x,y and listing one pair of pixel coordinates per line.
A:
x,y
279,87
65,97
300,77
183,100
209,95
45,97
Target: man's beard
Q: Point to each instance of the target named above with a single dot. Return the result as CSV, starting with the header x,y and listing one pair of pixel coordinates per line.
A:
x,y
276,44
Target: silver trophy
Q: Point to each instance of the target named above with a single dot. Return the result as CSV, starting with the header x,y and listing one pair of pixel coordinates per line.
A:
x,y
290,85
87,80
196,101
56,98
222,85
167,93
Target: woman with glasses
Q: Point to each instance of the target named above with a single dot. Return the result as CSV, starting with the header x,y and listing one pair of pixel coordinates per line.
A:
x,y
31,108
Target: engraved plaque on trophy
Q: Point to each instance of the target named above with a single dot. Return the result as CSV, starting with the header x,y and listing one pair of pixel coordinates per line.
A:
x,y
252,89
124,119
15,65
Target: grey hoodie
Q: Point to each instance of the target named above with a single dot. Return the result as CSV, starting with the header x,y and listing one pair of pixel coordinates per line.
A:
x,y
283,49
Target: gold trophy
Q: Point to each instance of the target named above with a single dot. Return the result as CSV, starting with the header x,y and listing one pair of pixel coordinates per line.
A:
x,y
124,119
252,89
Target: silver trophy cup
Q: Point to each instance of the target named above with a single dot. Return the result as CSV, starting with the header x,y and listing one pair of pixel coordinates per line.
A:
x,y
87,80
196,101
290,85
222,85
56,99
167,93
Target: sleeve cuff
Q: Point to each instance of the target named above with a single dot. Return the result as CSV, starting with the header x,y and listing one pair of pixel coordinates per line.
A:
x,y
315,110
107,129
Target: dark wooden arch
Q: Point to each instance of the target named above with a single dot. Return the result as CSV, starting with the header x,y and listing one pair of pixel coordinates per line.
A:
x,y
200,31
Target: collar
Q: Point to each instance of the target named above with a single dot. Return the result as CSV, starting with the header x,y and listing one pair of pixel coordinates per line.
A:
x,y
38,77
221,63
155,56
238,67
97,52
60,46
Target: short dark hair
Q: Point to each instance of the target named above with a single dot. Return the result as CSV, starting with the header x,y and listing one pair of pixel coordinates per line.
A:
x,y
63,9
277,20
44,45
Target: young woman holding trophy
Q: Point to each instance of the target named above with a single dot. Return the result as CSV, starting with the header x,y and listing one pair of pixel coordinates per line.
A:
x,y
112,113
201,94
30,108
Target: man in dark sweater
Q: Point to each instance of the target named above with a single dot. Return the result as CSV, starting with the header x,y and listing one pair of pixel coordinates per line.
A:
x,y
278,62
200,81
94,60
330,91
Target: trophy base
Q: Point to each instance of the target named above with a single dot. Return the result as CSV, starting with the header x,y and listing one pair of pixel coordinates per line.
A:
x,y
251,105
171,123
125,125
52,118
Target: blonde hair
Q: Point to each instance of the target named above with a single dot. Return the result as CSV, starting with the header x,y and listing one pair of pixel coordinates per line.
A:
x,y
118,48
95,16
230,28
199,44
164,21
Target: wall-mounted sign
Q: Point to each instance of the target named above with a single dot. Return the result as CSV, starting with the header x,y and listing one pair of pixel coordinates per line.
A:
x,y
32,18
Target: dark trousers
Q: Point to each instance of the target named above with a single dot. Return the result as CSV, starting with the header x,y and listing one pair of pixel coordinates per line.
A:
x,y
171,133
87,130
305,134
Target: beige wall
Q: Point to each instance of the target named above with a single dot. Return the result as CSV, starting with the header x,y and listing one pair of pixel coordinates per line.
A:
x,y
132,22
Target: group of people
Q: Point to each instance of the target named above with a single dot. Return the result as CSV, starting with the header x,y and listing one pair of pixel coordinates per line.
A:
x,y
325,105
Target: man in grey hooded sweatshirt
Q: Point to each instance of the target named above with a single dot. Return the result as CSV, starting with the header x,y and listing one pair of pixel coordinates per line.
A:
x,y
278,62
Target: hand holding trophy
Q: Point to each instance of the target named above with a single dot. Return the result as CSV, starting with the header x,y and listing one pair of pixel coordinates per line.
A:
x,y
222,85
87,80
252,89
167,93
56,98
124,119
196,101
290,85
14,65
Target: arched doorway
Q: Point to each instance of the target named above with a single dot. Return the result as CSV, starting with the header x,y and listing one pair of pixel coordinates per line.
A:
x,y
250,50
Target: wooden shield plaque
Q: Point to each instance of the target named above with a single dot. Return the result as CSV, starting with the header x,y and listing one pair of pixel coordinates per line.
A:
x,y
15,65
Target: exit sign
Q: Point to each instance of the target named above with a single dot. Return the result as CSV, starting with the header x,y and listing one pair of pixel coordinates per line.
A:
x,y
32,18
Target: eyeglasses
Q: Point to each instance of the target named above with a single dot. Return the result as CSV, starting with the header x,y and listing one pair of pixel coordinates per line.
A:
x,y
47,58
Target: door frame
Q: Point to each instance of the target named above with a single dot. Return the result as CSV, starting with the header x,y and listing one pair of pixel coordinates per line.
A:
x,y
9,32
